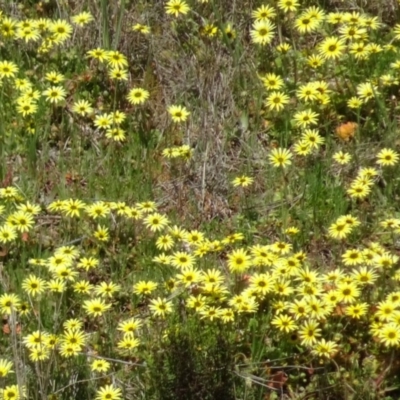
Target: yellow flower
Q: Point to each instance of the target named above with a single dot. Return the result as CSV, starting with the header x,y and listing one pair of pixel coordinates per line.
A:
x,y
276,101
7,233
99,54
280,157
176,7
189,276
272,81
309,333
288,5
165,242
61,30
8,69
242,181
239,260
366,91
72,207
107,289
178,113
182,260
13,392
82,18
305,24
96,307
101,233
55,94
210,313
103,121
389,335
263,12
9,303
129,326
325,348
284,323
100,365
262,32
160,307
305,118
118,74
138,96
33,285
356,310
341,157
331,47
21,221
5,367
144,287
145,29
54,77
116,59
387,157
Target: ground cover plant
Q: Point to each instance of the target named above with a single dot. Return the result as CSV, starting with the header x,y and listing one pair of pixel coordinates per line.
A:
x,y
199,200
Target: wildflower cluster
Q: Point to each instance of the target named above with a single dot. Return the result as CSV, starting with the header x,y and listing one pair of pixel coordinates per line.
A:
x,y
275,238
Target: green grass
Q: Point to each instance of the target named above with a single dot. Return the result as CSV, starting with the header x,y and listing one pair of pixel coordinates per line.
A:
x,y
55,154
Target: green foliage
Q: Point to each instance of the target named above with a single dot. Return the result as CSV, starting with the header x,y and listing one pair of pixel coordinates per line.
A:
x,y
186,187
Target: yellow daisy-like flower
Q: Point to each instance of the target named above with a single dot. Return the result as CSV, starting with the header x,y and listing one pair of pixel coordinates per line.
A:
x,y
272,81
178,113
98,53
8,69
118,74
5,368
138,96
33,285
288,5
101,233
129,326
22,221
96,307
262,32
55,94
242,181
284,323
13,392
332,47
9,303
341,157
72,207
26,108
100,365
280,157
366,91
389,335
263,12
160,307
145,29
239,260
116,59
7,233
305,118
387,157
176,7
82,18
325,348
306,24
109,392
61,29
277,101
54,77
156,222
